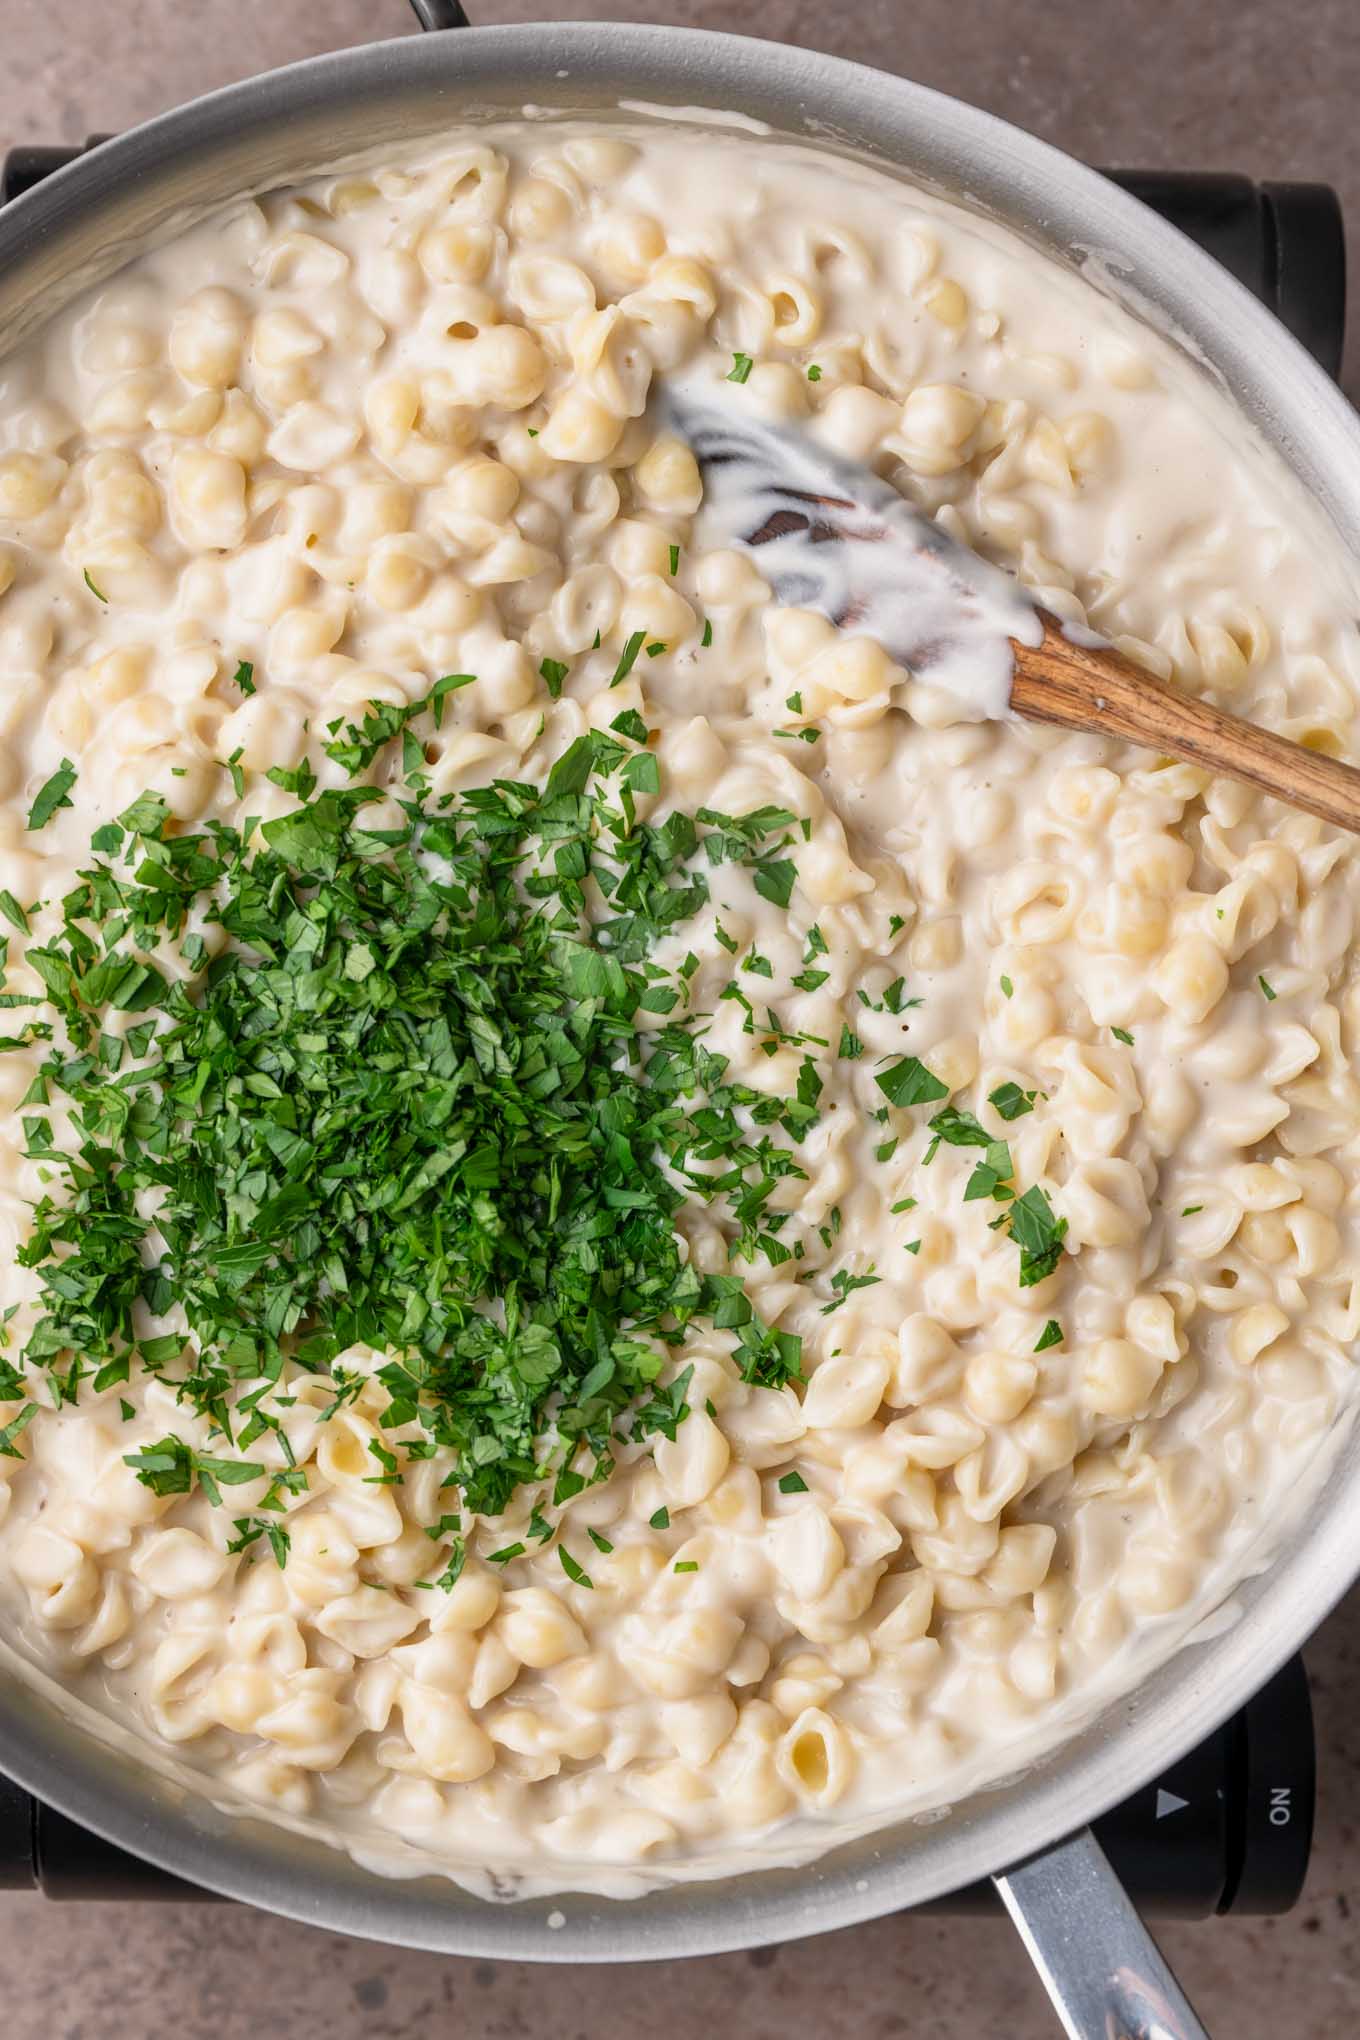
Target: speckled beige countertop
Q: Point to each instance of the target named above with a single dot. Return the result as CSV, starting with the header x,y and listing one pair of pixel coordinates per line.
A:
x,y
1249,85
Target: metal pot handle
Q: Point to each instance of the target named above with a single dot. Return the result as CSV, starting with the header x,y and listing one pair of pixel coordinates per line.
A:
x,y
434,14
1098,1962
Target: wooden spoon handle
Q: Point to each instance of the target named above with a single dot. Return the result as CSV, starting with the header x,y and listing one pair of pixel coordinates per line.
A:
x,y
1096,688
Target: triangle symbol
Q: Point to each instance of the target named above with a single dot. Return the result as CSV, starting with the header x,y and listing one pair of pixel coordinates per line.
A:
x,y
1168,1802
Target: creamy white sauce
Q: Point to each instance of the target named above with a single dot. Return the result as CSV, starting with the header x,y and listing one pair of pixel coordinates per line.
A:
x,y
397,425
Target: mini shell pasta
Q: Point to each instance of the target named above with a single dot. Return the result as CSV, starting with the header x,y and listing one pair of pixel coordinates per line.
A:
x,y
341,441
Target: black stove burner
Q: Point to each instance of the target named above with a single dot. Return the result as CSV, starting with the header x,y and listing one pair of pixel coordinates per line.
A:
x,y
1229,1828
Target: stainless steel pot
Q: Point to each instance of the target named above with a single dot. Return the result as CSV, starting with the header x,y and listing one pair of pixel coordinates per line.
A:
x,y
83,223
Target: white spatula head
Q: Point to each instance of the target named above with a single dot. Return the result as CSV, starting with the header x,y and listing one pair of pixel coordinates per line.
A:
x,y
828,534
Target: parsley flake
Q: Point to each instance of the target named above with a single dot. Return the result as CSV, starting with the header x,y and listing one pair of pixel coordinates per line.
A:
x,y
628,657
52,795
908,1082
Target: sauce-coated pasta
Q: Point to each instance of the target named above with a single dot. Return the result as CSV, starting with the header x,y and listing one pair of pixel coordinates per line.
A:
x,y
395,425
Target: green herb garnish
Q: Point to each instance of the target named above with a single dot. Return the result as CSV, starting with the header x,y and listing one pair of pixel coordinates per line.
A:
x,y
1010,1101
573,1569
844,1285
1039,1234
909,1082
407,1105
54,794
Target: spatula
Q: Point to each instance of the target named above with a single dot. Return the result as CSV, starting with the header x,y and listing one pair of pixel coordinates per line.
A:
x,y
831,535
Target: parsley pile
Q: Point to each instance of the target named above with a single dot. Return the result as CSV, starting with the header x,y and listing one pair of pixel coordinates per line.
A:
x,y
406,1104
398,1097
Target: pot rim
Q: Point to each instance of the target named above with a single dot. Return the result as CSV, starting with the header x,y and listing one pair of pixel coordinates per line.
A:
x,y
97,211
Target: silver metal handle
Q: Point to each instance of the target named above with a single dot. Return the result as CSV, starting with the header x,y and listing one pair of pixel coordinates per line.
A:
x,y
1098,1962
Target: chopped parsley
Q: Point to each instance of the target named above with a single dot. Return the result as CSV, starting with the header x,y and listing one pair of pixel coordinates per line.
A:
x,y
249,1530
1051,1335
1039,1234
661,1520
244,677
98,593
792,1484
628,657
357,748
407,1106
814,373
1263,982
1122,1034
742,364
553,672
909,1082
956,1128
54,794
13,1429
1010,1101
1007,988
844,1285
